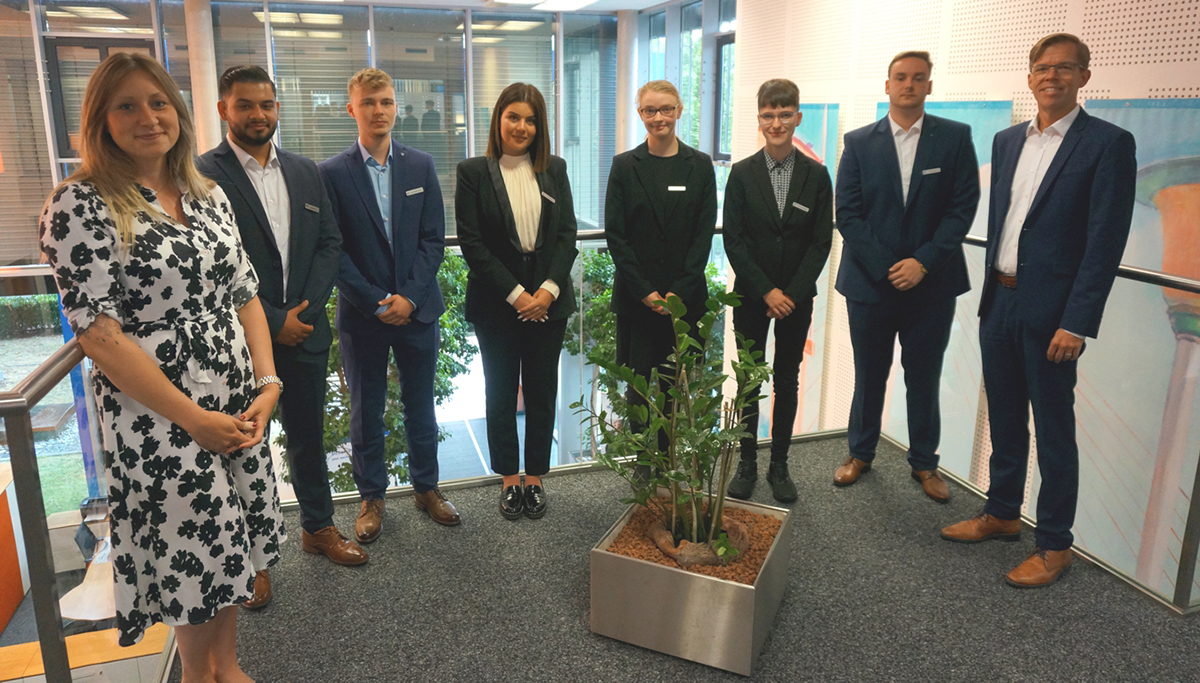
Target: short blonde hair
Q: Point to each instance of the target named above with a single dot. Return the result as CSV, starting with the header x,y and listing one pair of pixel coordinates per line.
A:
x,y
664,87
369,79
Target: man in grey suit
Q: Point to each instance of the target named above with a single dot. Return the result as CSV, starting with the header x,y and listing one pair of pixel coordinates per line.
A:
x,y
288,230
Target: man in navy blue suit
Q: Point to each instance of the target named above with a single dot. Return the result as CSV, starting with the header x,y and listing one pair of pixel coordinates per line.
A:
x,y
1062,200
388,203
907,190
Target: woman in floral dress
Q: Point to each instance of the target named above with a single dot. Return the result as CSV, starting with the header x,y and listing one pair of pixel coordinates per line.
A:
x,y
161,296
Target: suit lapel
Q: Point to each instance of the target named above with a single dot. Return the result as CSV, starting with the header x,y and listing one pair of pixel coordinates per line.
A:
x,y
510,222
366,189
547,190
296,206
673,198
640,155
1070,140
762,178
799,177
228,160
925,145
886,153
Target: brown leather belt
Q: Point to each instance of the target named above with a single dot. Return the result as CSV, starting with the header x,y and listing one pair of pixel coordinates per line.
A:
x,y
1009,281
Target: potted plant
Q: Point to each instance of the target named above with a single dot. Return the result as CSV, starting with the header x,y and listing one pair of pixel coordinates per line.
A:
x,y
676,447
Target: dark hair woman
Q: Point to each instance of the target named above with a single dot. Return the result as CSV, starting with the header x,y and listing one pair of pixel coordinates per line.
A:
x,y
162,297
516,225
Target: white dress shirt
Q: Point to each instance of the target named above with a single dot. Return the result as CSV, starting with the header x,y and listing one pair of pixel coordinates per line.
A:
x,y
525,198
906,149
272,191
1036,156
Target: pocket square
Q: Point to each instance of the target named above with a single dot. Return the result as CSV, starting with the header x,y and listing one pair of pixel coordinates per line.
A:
x,y
415,190
800,206
312,208
931,171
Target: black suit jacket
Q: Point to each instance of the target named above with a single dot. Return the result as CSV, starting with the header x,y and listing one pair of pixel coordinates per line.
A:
x,y
1076,229
654,247
880,229
314,241
767,251
487,233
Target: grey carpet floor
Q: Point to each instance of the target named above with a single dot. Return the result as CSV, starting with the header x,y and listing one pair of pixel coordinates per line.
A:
x,y
874,595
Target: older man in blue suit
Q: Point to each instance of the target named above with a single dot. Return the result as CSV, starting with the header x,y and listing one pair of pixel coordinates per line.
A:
x,y
1062,200
388,203
907,190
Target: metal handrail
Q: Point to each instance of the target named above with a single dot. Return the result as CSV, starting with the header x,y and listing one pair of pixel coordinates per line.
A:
x,y
15,407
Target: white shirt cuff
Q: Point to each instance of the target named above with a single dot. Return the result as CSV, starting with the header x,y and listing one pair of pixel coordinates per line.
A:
x,y
516,292
1077,336
549,286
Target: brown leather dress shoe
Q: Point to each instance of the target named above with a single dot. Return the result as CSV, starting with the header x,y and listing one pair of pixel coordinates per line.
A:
x,y
440,510
983,527
1041,569
935,487
850,471
370,521
332,544
262,592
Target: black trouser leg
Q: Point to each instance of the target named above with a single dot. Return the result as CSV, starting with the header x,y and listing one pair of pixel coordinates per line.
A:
x,y
540,350
302,412
791,334
500,351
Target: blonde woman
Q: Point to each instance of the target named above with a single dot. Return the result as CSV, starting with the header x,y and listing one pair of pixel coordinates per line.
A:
x,y
161,296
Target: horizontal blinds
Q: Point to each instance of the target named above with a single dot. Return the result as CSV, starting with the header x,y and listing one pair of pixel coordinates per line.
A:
x,y
690,68
25,178
589,95
510,48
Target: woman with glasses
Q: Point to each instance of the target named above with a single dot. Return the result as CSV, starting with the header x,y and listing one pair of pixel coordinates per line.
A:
x,y
659,218
162,298
516,225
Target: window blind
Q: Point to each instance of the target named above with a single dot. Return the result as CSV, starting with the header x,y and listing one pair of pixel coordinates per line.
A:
x,y
511,48
589,97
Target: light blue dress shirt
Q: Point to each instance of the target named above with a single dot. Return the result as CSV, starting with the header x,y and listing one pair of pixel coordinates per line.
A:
x,y
381,182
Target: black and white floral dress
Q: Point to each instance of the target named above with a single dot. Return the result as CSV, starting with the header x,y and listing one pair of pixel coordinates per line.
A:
x,y
189,526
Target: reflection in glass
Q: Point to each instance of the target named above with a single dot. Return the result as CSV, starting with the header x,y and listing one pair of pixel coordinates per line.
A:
x,y
510,48
690,68
589,93
658,46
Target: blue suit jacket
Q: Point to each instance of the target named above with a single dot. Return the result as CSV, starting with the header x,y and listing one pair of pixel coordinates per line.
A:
x,y
1075,233
880,229
370,268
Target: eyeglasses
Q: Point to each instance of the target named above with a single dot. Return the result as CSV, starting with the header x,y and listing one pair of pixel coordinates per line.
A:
x,y
785,117
1062,69
649,112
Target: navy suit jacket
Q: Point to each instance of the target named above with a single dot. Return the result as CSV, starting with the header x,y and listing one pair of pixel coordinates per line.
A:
x,y
314,241
880,229
371,269
1075,233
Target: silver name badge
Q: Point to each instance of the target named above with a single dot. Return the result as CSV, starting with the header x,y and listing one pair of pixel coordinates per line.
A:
x,y
415,190
677,188
800,206
549,197
931,171
312,208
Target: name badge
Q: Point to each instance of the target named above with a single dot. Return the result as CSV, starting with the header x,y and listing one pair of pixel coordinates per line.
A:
x,y
677,188
312,208
800,206
931,171
415,190
549,197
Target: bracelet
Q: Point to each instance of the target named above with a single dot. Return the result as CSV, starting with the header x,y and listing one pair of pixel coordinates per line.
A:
x,y
269,379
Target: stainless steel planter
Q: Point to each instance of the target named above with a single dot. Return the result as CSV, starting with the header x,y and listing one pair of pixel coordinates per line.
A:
x,y
712,621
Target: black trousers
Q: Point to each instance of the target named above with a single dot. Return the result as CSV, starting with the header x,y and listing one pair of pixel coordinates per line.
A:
x,y
1017,375
923,325
525,355
302,412
751,321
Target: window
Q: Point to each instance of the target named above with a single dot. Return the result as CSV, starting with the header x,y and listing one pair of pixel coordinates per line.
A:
x,y
317,49
510,48
589,97
658,46
423,52
728,16
690,70
724,120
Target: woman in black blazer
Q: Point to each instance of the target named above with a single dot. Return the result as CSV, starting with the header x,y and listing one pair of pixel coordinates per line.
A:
x,y
516,225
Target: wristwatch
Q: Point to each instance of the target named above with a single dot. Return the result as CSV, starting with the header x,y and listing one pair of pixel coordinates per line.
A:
x,y
269,379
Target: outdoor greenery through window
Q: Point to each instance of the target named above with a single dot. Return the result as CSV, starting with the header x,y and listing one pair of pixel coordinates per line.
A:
x,y
658,46
690,70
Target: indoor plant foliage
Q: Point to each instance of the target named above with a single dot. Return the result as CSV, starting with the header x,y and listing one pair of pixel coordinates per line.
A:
x,y
682,476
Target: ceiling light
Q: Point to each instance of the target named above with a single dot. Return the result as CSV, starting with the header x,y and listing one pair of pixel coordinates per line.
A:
x,y
288,33
320,18
520,25
326,35
60,13
97,12
116,29
481,26
485,40
280,17
517,2
563,5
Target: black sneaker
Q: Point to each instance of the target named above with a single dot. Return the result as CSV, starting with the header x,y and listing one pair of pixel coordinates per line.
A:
x,y
781,483
743,482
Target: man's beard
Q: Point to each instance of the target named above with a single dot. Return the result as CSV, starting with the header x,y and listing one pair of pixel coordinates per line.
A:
x,y
245,137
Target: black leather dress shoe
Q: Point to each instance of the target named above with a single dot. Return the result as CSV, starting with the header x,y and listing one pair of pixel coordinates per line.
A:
x,y
535,502
512,503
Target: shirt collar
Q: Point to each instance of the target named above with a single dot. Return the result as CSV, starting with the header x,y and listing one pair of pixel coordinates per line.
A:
x,y
368,159
245,158
1059,127
916,127
787,162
